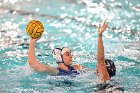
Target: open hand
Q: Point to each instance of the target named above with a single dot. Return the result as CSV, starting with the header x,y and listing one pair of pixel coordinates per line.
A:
x,y
102,28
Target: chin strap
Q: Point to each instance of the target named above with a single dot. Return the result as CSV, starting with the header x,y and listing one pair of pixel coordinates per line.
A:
x,y
63,63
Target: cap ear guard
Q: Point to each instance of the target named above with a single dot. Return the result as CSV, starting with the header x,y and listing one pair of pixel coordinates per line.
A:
x,y
110,67
57,55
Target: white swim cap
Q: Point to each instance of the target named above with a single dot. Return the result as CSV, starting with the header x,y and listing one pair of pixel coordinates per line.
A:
x,y
58,52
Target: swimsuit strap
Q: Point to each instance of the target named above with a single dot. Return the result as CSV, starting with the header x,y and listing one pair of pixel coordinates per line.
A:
x,y
70,71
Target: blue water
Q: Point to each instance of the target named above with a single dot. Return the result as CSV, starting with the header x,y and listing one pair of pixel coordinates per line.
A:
x,y
70,23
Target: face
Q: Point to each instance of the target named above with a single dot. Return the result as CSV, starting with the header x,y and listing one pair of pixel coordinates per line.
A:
x,y
67,58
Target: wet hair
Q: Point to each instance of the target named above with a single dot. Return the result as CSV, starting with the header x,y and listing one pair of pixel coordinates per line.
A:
x,y
110,67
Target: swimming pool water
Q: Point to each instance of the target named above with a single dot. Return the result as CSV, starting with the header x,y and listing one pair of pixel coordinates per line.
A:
x,y
70,23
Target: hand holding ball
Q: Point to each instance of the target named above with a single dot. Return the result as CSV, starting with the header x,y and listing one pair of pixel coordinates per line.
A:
x,y
35,29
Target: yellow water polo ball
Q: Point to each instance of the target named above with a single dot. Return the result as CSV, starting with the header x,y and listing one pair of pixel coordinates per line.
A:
x,y
35,29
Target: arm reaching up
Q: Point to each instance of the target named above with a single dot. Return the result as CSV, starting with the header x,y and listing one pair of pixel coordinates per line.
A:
x,y
35,64
101,66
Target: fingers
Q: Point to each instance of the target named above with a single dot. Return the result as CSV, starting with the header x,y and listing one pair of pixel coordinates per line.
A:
x,y
99,27
105,25
32,39
102,27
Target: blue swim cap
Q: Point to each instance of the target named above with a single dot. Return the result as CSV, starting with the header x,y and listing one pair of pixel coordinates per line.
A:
x,y
110,67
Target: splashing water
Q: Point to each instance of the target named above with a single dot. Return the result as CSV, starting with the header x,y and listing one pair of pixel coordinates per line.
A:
x,y
70,23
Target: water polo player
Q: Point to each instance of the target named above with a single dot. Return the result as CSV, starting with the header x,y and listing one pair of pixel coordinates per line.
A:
x,y
105,68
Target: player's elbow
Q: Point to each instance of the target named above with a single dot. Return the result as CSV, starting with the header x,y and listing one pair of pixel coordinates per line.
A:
x,y
31,57
31,61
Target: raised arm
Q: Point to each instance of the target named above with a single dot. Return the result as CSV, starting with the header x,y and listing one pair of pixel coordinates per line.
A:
x,y
34,63
101,67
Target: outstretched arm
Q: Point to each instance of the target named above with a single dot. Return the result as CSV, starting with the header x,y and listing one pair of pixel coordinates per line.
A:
x,y
101,67
34,63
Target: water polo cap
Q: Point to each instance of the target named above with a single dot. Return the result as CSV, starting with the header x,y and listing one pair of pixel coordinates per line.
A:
x,y
110,67
58,52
